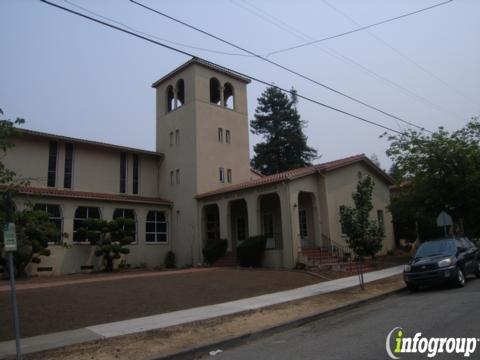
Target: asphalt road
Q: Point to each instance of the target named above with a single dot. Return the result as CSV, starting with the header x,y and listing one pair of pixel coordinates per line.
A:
x,y
361,333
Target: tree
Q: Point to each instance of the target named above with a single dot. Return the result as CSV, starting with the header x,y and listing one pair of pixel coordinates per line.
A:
x,y
277,120
7,131
442,172
364,236
34,230
110,238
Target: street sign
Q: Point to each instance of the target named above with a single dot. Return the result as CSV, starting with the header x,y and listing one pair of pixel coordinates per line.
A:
x,y
444,219
9,237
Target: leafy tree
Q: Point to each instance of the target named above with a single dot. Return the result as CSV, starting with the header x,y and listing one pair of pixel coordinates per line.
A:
x,y
110,238
364,236
442,171
34,230
277,120
7,131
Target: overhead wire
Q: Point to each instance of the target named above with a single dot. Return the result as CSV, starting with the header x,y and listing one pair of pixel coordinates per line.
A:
x,y
330,88
129,32
335,53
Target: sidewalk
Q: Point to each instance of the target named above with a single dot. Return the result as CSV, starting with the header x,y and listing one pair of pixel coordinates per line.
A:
x,y
49,341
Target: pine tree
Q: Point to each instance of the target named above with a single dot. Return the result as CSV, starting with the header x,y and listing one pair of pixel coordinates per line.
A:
x,y
285,145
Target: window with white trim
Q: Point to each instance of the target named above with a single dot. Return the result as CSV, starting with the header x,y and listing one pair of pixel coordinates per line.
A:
x,y
221,174
229,176
156,227
177,176
55,216
81,214
126,214
227,136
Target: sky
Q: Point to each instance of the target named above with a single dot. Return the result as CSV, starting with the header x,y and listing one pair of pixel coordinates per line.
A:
x,y
66,75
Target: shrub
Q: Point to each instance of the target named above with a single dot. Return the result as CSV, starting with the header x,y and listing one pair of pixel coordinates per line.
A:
x,y
170,260
390,253
214,250
250,252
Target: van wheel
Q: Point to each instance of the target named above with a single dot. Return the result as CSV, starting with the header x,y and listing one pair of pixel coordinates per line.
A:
x,y
460,281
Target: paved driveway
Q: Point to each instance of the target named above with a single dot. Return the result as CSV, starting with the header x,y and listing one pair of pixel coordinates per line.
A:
x,y
360,334
79,304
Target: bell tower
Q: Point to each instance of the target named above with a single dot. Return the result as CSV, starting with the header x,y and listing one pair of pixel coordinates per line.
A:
x,y
202,129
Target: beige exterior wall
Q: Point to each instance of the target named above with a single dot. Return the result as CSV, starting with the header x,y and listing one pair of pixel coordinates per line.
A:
x,y
340,184
95,168
70,258
198,155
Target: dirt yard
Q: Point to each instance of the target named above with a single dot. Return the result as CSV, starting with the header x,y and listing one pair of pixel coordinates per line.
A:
x,y
75,303
167,341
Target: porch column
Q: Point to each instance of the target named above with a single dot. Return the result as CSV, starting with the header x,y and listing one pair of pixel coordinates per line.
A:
x,y
223,220
253,215
289,256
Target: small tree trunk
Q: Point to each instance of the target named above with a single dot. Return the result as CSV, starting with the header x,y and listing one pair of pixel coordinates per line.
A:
x,y
360,273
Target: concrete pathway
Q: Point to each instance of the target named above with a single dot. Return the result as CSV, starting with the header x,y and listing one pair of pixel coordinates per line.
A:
x,y
155,322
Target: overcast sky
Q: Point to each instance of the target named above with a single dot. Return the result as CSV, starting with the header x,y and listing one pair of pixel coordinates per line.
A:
x,y
68,76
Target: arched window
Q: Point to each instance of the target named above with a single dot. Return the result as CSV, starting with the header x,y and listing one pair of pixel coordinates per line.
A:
x,y
55,215
170,98
215,91
228,98
126,214
156,227
180,92
81,214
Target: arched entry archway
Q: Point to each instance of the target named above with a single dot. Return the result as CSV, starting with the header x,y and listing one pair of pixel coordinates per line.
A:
x,y
210,222
306,219
238,221
271,220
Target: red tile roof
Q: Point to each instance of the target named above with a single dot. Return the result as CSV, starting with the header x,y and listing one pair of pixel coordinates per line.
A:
x,y
206,64
300,172
36,191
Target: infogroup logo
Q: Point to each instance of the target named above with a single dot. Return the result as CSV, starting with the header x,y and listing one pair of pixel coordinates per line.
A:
x,y
397,343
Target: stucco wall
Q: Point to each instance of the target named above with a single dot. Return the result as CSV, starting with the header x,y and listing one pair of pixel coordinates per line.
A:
x,y
69,259
95,168
340,184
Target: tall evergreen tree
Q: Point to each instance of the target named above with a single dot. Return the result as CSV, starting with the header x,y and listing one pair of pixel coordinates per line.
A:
x,y
285,145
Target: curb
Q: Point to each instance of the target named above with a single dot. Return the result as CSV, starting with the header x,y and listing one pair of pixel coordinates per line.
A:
x,y
196,352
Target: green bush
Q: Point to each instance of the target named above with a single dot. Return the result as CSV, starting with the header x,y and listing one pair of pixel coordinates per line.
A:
x,y
170,260
214,250
250,252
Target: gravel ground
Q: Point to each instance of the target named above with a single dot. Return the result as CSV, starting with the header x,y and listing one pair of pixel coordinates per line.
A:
x,y
74,306
152,344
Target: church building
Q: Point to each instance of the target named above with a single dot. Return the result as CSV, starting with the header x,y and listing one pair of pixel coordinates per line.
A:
x,y
196,185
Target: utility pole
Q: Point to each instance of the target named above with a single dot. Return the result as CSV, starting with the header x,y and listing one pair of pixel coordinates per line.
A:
x,y
10,246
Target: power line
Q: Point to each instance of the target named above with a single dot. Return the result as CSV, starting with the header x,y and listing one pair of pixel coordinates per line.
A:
x,y
334,53
403,55
360,28
279,65
211,64
154,36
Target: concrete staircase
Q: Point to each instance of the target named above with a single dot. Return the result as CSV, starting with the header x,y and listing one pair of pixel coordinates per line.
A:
x,y
332,258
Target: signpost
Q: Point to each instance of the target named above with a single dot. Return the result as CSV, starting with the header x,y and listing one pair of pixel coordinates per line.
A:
x,y
10,245
444,220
